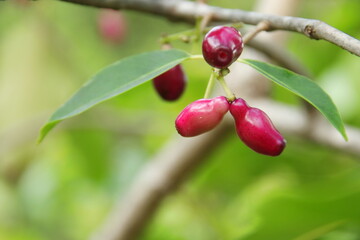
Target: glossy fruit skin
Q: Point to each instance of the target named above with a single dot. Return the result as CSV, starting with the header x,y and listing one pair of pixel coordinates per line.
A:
x,y
171,84
256,130
112,26
201,116
222,46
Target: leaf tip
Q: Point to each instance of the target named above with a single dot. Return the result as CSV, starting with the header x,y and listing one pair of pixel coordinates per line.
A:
x,y
344,135
45,130
39,139
42,134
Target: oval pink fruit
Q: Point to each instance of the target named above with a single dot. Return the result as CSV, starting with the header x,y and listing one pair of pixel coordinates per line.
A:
x,y
256,130
112,26
201,116
171,84
222,46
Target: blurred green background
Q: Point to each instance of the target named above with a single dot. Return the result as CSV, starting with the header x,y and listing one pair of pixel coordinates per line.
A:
x,y
65,187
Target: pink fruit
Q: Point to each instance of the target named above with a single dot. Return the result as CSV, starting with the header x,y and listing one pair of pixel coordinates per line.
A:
x,y
112,26
171,84
222,46
256,130
201,116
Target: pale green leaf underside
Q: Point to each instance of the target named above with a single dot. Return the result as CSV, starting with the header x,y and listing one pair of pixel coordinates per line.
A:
x,y
303,87
114,80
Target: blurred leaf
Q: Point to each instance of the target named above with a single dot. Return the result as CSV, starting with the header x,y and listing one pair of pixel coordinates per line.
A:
x,y
320,231
114,80
303,87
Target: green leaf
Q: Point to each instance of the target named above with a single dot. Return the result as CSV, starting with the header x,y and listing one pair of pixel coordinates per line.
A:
x,y
114,80
303,87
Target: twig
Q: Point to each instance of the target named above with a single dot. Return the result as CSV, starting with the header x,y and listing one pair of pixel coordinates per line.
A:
x,y
262,26
184,10
205,21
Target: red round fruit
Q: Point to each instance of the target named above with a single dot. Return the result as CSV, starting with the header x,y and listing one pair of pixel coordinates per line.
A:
x,y
112,26
222,46
256,130
201,116
171,84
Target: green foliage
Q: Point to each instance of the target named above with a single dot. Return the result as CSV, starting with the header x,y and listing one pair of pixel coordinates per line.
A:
x,y
303,87
133,71
114,80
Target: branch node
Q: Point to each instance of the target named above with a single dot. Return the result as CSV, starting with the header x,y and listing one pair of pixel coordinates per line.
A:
x,y
310,31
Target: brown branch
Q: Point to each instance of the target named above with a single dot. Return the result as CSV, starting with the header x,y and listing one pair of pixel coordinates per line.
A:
x,y
160,176
184,10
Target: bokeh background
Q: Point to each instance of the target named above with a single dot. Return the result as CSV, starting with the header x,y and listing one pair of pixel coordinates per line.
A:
x,y
65,187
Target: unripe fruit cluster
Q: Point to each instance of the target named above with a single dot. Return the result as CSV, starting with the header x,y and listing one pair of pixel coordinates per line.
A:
x,y
221,47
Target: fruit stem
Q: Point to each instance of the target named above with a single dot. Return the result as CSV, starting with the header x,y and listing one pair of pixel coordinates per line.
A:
x,y
262,26
229,95
185,36
194,57
210,85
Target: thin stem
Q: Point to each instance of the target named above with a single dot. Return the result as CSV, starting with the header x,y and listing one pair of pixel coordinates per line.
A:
x,y
210,85
184,36
195,57
229,95
205,21
262,26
